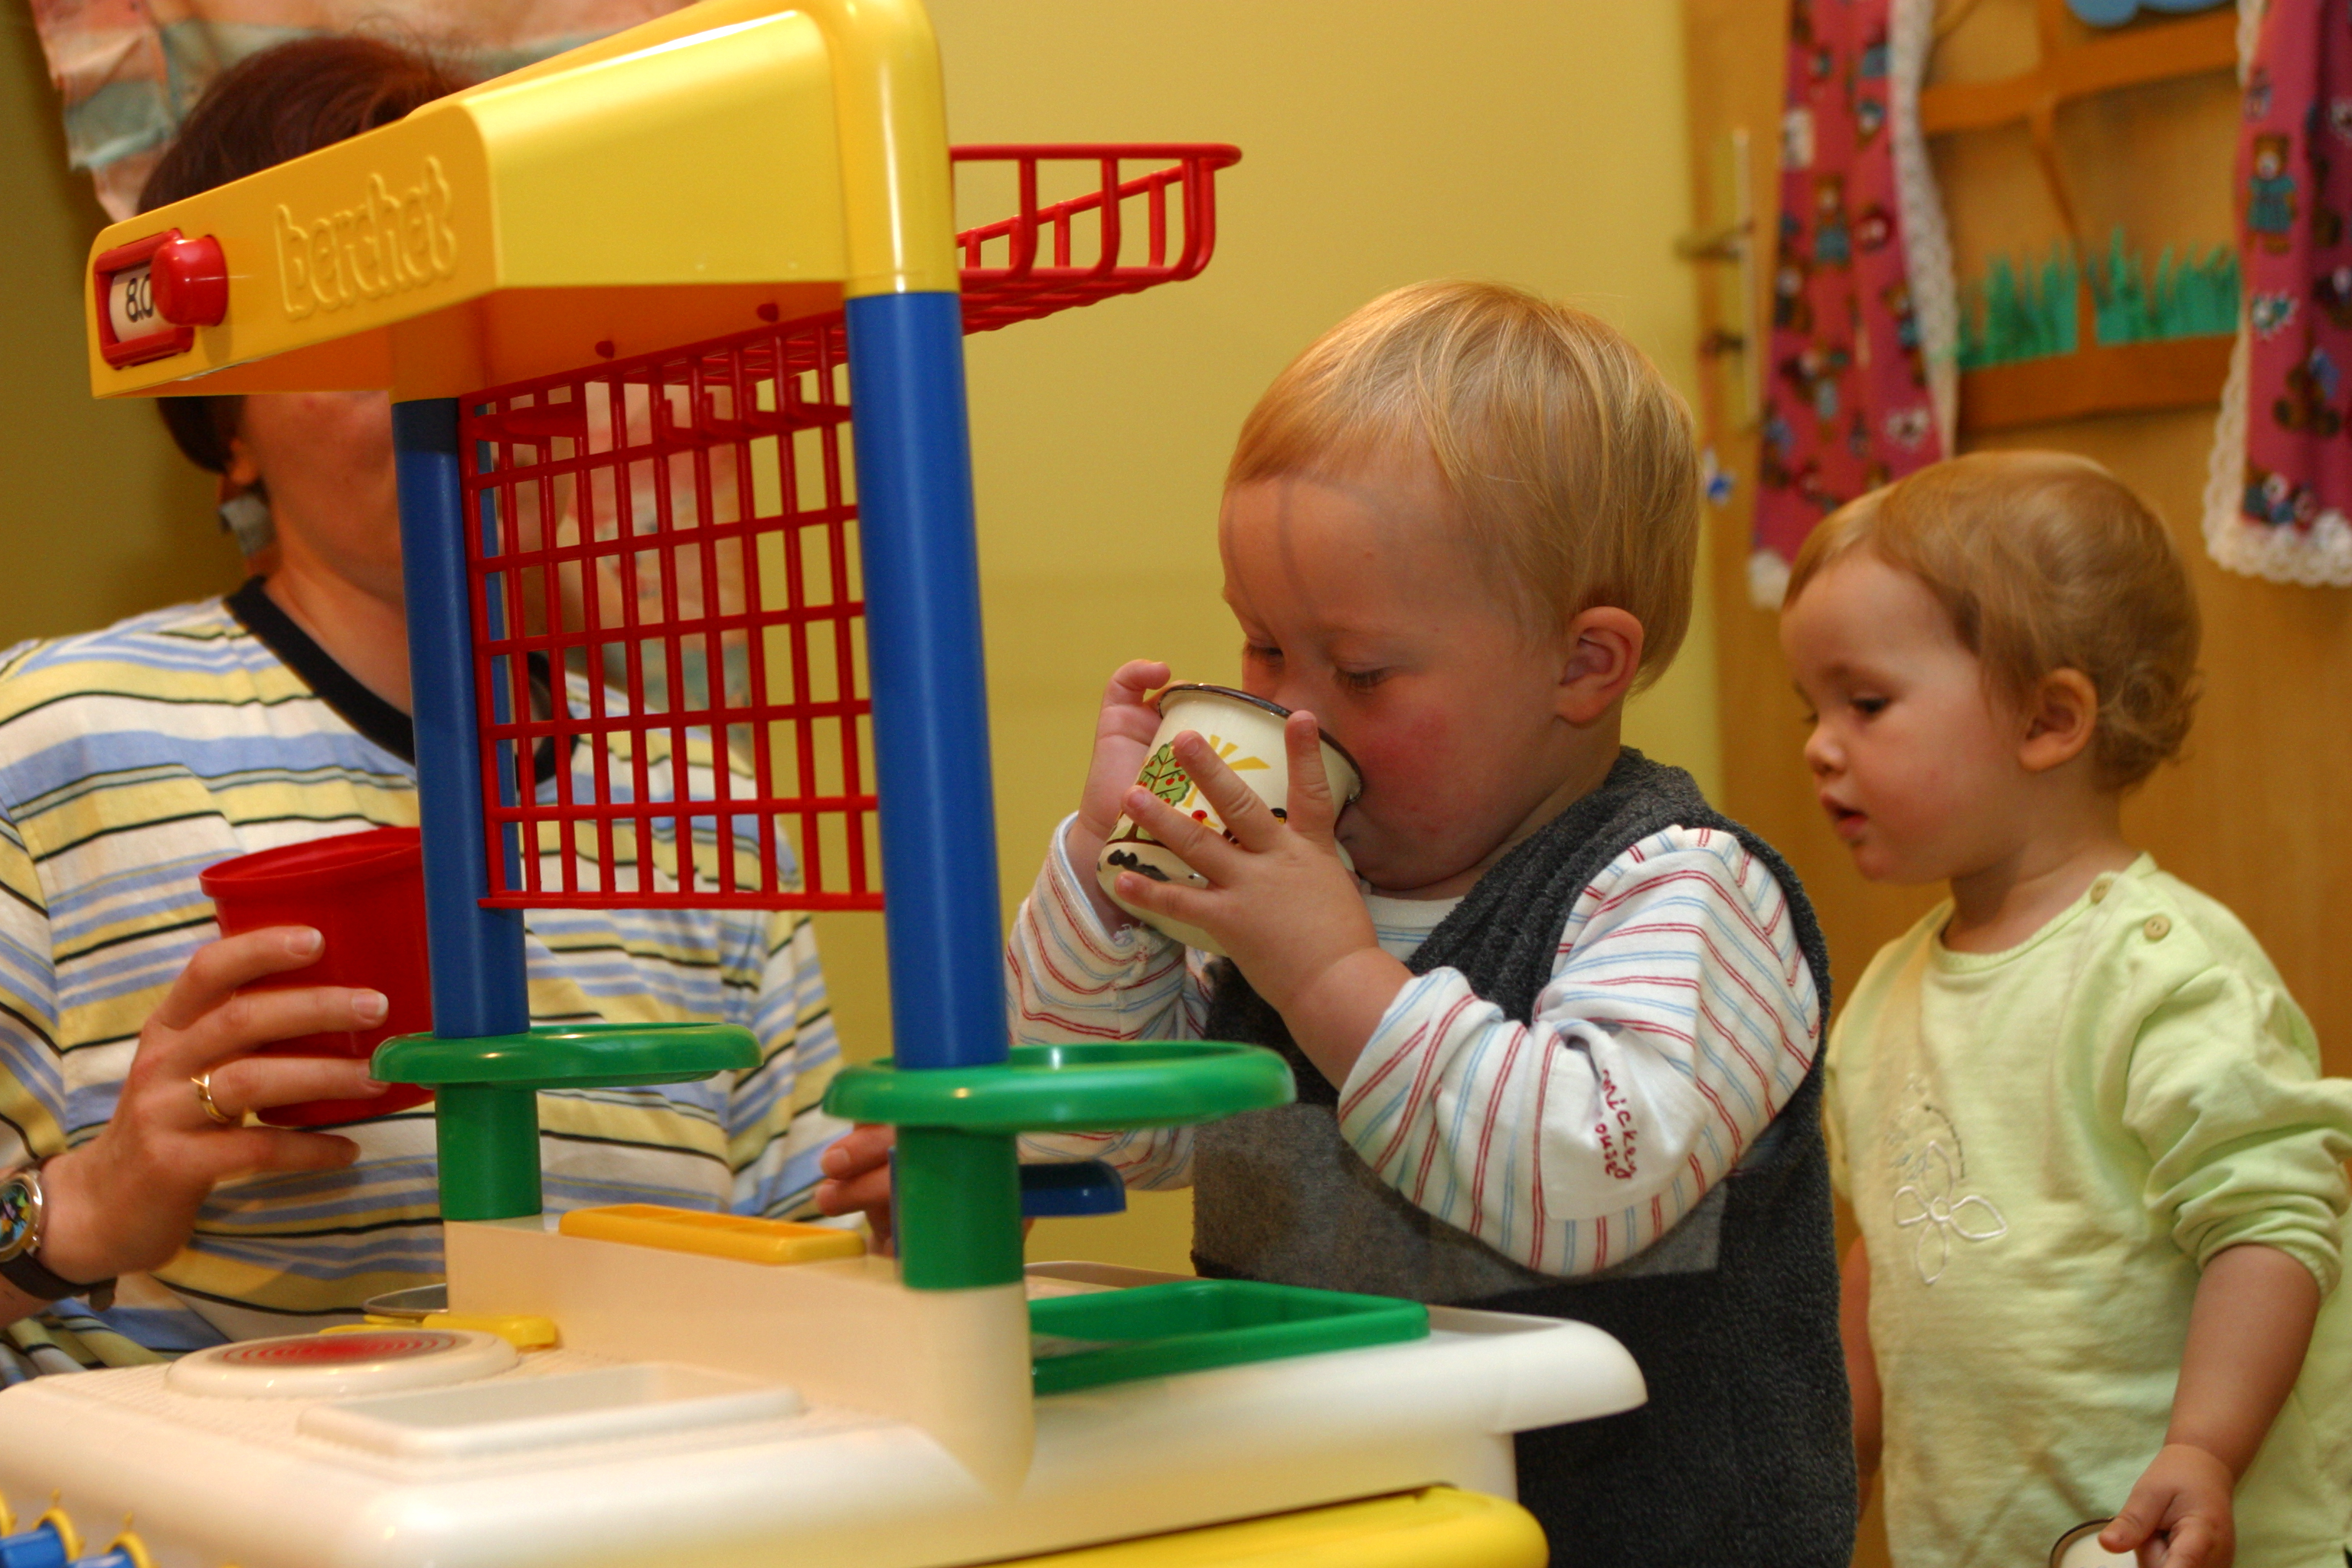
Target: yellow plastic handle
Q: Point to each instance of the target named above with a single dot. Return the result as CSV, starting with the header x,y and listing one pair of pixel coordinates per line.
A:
x,y
739,1236
891,121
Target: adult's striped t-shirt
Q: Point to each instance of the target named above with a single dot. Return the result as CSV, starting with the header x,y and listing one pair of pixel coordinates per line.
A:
x,y
132,759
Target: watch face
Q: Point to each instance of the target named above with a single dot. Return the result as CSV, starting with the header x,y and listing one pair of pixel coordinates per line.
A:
x,y
19,1207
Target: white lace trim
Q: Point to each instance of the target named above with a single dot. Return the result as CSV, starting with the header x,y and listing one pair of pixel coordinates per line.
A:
x,y
1926,241
2318,557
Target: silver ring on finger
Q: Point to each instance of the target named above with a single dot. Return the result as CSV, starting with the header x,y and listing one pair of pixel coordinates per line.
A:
x,y
212,1112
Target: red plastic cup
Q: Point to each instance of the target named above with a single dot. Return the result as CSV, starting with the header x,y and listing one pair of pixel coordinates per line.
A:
x,y
364,892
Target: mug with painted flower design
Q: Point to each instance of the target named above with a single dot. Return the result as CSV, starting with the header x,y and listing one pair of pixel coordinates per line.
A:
x,y
1245,731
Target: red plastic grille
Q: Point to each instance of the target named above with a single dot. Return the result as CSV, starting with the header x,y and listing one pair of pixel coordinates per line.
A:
x,y
670,631
668,618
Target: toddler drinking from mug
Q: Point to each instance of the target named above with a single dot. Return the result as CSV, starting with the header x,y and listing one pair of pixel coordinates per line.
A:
x,y
1555,1052
2099,1180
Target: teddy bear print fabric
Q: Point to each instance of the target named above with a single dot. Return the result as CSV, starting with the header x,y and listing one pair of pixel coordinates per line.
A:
x,y
2283,477
1847,406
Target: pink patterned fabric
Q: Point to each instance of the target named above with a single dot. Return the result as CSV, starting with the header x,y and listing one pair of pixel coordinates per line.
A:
x,y
128,70
1847,406
2295,187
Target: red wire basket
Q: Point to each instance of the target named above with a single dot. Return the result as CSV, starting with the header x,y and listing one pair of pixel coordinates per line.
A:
x,y
1048,257
668,615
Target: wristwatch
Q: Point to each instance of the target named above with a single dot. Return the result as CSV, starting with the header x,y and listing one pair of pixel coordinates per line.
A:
x,y
21,1217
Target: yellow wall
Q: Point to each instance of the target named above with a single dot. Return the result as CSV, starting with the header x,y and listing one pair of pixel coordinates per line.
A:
x,y
1538,142
99,515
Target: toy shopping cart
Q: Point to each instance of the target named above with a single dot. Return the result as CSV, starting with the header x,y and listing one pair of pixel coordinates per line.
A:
x,y
684,491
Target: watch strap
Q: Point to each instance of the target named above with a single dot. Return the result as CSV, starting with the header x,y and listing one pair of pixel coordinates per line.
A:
x,y
24,1272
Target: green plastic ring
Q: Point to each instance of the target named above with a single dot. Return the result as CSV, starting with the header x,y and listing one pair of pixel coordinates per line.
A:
x,y
571,1056
1146,1083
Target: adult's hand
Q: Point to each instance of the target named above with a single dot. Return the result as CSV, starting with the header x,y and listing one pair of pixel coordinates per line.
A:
x,y
127,1200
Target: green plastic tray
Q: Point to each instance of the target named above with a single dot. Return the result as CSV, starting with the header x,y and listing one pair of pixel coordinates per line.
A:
x,y
1190,1325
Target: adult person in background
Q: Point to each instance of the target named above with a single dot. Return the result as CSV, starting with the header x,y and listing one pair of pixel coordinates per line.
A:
x,y
133,758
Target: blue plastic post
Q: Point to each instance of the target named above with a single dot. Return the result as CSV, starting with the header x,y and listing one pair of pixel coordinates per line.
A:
x,y
478,982
930,697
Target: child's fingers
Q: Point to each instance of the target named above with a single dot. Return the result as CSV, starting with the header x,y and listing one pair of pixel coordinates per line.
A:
x,y
2190,1544
1247,817
1204,851
2169,1520
1123,732
1311,808
2135,1522
1176,901
1131,681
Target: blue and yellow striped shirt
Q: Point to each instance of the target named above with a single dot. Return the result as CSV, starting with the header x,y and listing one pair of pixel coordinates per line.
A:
x,y
133,758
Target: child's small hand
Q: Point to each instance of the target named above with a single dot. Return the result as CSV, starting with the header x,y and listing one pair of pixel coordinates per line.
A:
x,y
1122,737
1280,901
2179,1514
857,1177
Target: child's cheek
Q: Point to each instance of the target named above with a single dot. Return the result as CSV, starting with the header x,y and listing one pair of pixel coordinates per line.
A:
x,y
1915,814
1411,773
1391,748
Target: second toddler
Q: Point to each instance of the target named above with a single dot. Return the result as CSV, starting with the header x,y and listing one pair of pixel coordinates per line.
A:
x,y
2099,1182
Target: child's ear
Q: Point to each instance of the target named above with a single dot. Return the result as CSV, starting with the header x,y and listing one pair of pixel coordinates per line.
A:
x,y
2061,715
1604,656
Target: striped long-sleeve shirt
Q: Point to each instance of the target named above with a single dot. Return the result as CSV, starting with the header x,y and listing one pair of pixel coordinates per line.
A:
x,y
132,759
1679,1018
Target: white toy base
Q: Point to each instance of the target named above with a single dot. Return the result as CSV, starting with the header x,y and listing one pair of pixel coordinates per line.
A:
x,y
656,1462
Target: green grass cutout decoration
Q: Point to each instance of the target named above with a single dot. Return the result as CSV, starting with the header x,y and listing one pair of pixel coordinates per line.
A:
x,y
2023,309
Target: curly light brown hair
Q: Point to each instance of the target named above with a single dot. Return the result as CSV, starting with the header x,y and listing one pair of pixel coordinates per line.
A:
x,y
2044,561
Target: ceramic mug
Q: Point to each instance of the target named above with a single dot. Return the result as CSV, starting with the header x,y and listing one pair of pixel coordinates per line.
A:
x,y
1246,733
2080,1548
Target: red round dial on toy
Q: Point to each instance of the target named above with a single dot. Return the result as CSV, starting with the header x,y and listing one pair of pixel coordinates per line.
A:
x,y
363,1361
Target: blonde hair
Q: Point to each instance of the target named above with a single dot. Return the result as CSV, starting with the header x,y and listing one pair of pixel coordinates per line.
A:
x,y
1568,456
2044,561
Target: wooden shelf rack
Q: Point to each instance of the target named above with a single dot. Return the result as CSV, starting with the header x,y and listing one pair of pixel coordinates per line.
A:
x,y
2096,378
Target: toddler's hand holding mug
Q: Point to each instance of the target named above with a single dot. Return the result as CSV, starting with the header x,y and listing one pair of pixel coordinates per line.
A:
x,y
1245,732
